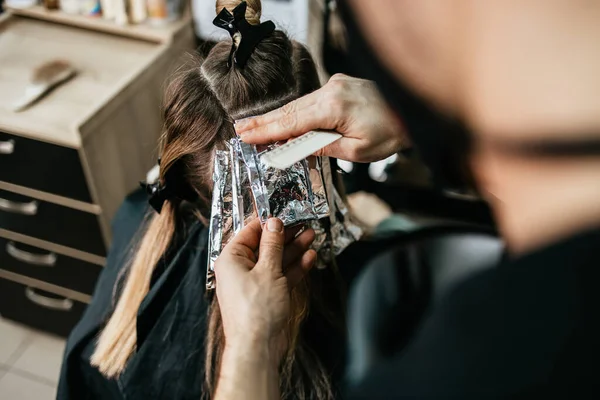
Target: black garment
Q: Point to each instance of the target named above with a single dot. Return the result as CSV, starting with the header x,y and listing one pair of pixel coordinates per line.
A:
x,y
169,359
528,329
171,322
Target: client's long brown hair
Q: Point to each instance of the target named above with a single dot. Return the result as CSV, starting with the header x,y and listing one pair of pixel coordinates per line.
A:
x,y
200,104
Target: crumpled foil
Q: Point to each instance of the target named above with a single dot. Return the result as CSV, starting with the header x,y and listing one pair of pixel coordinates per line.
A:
x,y
344,231
244,187
317,185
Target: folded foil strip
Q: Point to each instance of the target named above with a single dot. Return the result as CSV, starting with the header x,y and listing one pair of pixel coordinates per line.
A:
x,y
244,187
221,180
236,189
259,191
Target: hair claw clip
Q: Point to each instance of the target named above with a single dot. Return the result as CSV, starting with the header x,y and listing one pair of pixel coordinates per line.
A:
x,y
157,194
250,35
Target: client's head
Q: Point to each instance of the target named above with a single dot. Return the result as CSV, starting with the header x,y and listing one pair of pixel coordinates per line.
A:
x,y
208,94
201,103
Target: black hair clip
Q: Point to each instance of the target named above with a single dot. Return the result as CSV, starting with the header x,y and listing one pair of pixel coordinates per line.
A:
x,y
157,194
250,34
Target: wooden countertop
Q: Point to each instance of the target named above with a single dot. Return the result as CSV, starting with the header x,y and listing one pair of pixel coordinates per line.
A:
x,y
106,63
159,34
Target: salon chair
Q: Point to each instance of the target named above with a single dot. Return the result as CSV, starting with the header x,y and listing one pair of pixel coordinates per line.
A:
x,y
406,276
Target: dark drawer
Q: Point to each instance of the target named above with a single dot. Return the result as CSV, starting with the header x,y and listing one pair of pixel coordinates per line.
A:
x,y
42,166
46,266
51,222
38,308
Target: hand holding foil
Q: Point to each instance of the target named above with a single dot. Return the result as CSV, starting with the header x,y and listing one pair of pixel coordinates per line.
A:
x,y
244,187
252,289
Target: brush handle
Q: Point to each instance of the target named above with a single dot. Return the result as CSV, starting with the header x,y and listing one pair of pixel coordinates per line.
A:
x,y
32,93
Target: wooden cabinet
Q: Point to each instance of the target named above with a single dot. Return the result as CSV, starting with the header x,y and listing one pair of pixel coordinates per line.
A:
x,y
42,309
67,162
49,266
43,166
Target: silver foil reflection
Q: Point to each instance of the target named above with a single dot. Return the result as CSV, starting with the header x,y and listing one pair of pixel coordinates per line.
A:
x,y
244,187
218,213
243,199
289,192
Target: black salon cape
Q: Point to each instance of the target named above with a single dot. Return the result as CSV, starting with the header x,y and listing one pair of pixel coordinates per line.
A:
x,y
168,363
527,330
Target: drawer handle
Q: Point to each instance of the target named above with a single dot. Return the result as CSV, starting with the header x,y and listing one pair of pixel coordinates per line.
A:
x,y
48,302
44,260
29,208
7,147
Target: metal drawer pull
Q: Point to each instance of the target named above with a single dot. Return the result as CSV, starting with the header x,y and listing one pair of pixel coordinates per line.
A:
x,y
43,260
7,147
48,302
30,208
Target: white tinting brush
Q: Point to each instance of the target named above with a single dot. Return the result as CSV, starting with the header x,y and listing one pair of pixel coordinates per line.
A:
x,y
45,78
298,149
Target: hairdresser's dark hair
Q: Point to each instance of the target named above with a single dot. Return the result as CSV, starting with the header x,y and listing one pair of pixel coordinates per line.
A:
x,y
201,102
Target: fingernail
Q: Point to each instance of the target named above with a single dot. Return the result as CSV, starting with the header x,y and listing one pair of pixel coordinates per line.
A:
x,y
274,225
245,135
239,123
236,128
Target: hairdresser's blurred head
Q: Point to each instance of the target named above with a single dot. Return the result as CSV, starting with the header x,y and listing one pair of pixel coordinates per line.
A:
x,y
507,67
521,76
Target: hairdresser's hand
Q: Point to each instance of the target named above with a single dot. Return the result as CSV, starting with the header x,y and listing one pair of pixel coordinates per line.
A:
x,y
254,292
350,106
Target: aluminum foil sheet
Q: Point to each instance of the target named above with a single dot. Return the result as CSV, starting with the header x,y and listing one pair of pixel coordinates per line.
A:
x,y
289,192
243,198
218,213
237,208
344,231
244,187
316,171
322,242
261,200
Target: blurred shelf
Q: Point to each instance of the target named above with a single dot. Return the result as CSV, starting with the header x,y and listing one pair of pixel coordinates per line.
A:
x,y
144,31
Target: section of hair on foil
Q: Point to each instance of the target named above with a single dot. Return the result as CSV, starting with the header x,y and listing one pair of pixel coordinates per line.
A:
x,y
289,192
